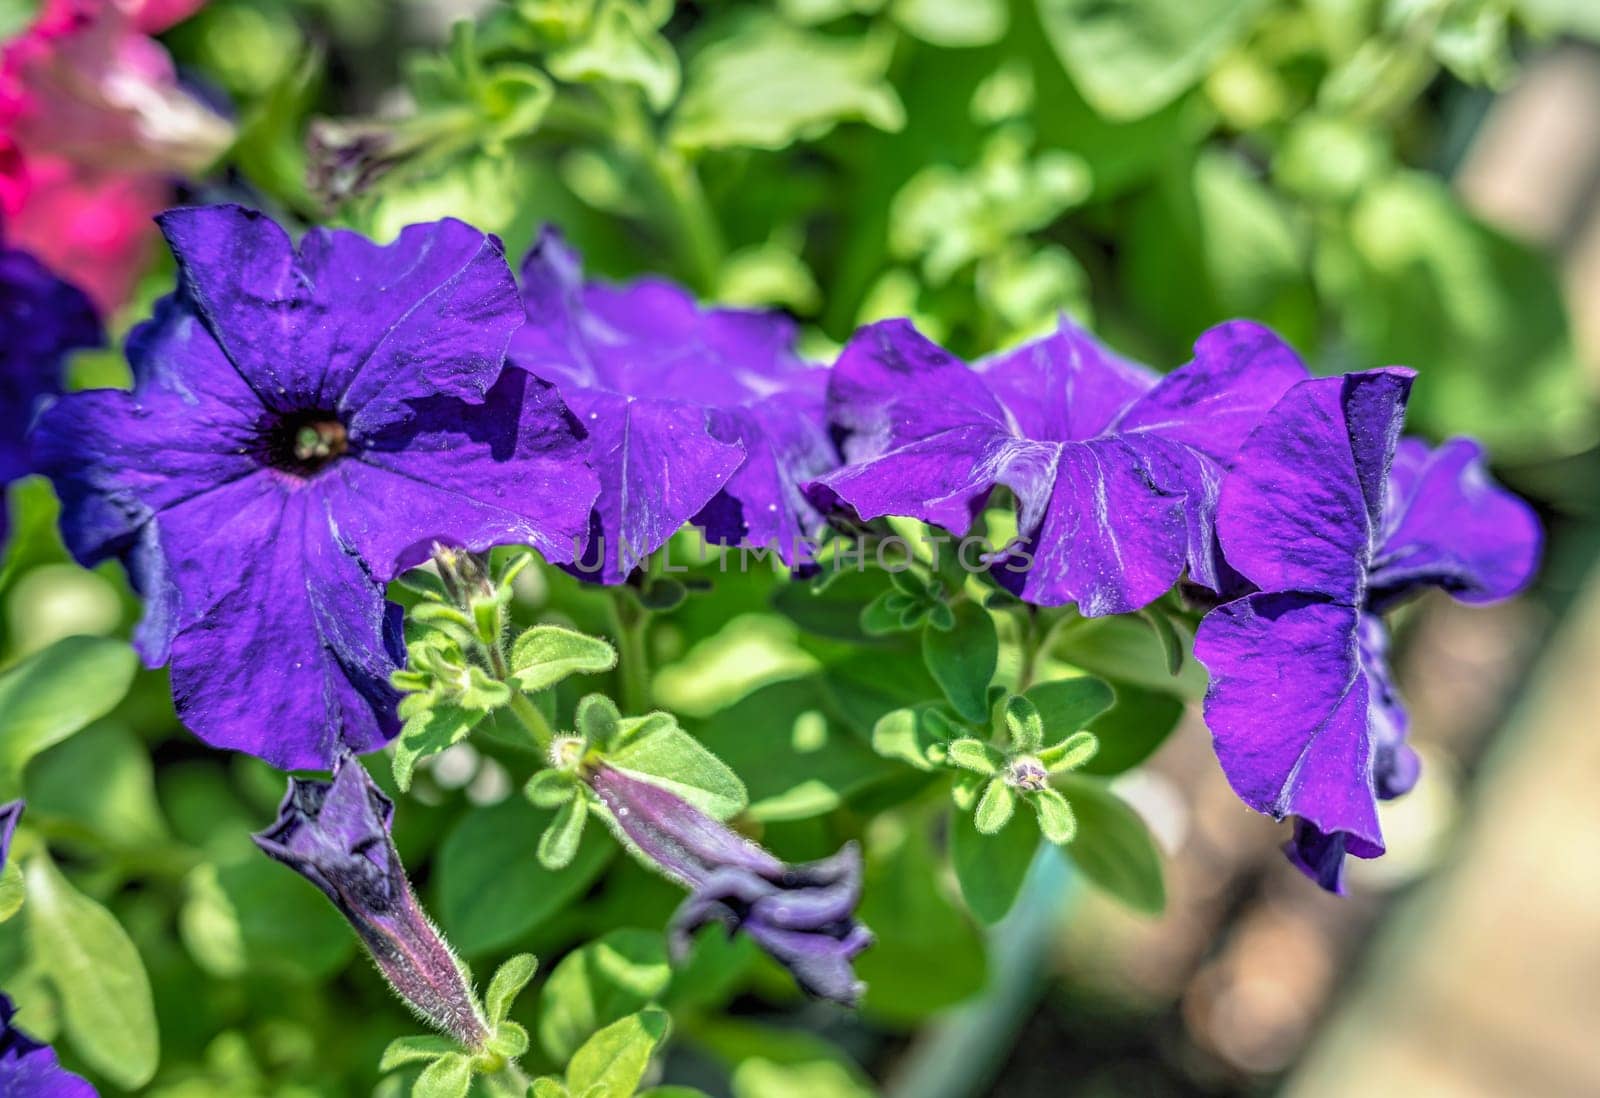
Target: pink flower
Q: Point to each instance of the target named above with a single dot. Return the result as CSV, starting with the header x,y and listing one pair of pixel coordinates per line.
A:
x,y
93,126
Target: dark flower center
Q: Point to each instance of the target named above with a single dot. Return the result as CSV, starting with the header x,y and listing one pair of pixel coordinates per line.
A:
x,y
304,443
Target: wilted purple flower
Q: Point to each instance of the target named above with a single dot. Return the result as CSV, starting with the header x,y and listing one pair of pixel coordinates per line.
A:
x,y
1115,470
43,319
1335,519
336,835
302,427
802,915
29,1069
694,414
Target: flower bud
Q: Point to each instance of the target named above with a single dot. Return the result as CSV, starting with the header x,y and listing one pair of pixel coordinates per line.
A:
x,y
802,915
336,835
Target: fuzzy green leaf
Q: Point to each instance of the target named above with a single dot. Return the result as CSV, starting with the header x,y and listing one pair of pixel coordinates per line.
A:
x,y
1070,753
619,973
546,654
1056,821
1113,847
994,807
1024,726
449,1076
658,750
416,1049
991,868
509,980
973,755
559,843
611,1063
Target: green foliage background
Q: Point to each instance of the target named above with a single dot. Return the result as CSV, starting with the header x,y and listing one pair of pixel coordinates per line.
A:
x,y
1153,166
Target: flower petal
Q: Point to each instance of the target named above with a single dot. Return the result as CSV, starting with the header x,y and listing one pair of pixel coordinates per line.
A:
x,y
284,644
1447,524
1289,708
1300,511
29,1069
1065,386
510,471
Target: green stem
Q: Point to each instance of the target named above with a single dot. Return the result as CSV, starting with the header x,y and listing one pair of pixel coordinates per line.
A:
x,y
632,621
528,714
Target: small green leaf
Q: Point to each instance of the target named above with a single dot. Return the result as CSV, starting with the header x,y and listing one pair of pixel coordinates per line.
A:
x,y
97,974
994,807
547,1086
428,733
991,868
449,1076
1167,634
973,755
882,616
611,1063
617,974
622,47
412,1050
962,661
509,980
1056,821
509,1040
52,694
1070,753
546,654
559,843
772,84
1113,847
1131,730
656,749
902,734
1023,724
597,719
551,788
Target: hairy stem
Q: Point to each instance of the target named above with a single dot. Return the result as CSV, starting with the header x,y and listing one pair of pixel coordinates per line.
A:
x,y
632,622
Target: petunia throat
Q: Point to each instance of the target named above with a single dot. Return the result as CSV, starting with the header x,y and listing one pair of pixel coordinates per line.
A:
x,y
302,444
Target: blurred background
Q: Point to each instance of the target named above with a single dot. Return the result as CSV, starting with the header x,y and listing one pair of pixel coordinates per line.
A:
x,y
1384,181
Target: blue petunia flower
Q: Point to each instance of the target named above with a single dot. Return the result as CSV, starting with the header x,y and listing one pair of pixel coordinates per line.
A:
x,y
694,414
802,915
336,835
42,319
1114,469
303,424
1335,519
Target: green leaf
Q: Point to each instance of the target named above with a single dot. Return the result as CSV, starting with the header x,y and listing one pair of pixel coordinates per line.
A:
x,y
1070,753
962,661
973,755
1171,642
551,788
597,719
884,615
546,654
1113,847
1125,650
1056,820
771,85
1067,705
97,974
994,807
509,980
991,868
1139,722
622,47
1023,724
52,694
559,843
903,734
101,779
11,890
595,985
1132,57
611,1063
509,1040
252,915
547,1086
935,956
412,1050
491,891
659,751
449,1076
954,24
429,733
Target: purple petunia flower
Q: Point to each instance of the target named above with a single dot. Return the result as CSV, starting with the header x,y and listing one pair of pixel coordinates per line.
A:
x,y
802,915
302,426
1335,519
43,319
29,1069
1115,471
694,414
336,835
